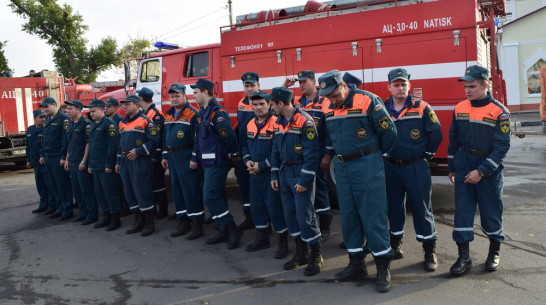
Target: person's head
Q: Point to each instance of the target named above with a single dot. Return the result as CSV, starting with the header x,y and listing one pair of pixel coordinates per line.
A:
x,y
251,83
476,82
146,95
260,105
63,108
348,78
131,104
307,81
177,93
49,106
333,87
74,109
112,105
203,91
281,99
96,109
39,117
399,84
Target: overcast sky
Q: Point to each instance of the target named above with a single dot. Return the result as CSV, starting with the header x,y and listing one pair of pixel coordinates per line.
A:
x,y
186,22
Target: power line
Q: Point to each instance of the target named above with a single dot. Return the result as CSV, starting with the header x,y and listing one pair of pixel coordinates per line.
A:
x,y
195,20
196,27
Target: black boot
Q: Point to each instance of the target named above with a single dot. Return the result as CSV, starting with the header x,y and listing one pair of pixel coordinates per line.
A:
x,y
383,264
149,225
220,237
315,260
247,224
104,222
114,223
324,224
196,230
431,262
138,223
356,270
163,210
282,246
261,242
463,263
301,257
493,259
234,235
182,228
396,245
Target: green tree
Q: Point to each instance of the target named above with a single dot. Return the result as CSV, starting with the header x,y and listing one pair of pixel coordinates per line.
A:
x,y
132,51
4,68
64,31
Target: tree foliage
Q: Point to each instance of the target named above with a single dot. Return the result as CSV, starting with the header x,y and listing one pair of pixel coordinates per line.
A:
x,y
4,68
132,51
64,31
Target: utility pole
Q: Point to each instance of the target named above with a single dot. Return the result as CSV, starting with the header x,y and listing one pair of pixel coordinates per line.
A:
x,y
230,13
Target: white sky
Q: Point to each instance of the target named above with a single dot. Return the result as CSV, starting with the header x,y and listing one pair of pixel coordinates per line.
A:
x,y
186,22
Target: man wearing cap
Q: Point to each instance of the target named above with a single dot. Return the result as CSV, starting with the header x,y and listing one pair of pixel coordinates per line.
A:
x,y
53,154
103,146
313,104
34,143
138,141
77,156
251,84
294,162
158,176
406,166
350,79
479,139
178,151
265,202
216,151
361,131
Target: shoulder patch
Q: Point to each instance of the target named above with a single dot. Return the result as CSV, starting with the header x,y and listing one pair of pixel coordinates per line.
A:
x,y
220,119
377,107
222,132
505,126
384,122
504,116
157,117
432,116
310,133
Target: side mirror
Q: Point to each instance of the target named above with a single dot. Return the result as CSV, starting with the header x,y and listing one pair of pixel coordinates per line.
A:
x,y
127,70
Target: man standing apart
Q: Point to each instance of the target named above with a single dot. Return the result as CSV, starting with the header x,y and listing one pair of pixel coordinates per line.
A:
x,y
53,155
138,141
178,151
35,138
294,162
406,167
361,131
216,151
103,145
479,139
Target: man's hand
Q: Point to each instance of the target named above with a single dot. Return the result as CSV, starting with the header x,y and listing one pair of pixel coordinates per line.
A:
x,y
82,166
473,177
165,163
62,162
107,170
132,155
193,165
117,169
300,189
255,168
42,160
89,170
249,165
65,165
451,177
325,162
29,165
275,185
289,82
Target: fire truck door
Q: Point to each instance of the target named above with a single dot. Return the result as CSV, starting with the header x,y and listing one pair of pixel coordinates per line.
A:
x,y
151,78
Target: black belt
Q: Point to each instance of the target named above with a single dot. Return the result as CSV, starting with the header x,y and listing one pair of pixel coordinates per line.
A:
x,y
177,148
475,152
358,154
405,162
292,163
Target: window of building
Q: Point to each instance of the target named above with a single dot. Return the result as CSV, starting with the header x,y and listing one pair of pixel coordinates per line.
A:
x,y
533,77
197,65
150,71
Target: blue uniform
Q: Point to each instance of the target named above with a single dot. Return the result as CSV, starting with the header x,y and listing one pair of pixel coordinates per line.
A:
x,y
479,138
265,202
119,188
82,180
315,110
214,140
294,160
103,145
244,115
35,138
160,190
361,130
54,150
179,149
139,133
406,167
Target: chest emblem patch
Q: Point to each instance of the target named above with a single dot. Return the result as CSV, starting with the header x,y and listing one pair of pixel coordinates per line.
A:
x,y
180,134
298,148
139,142
361,133
415,134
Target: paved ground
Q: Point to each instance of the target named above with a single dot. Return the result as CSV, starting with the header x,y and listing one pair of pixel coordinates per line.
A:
x,y
43,261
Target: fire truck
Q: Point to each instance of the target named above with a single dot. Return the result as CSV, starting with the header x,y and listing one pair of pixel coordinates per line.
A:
x,y
435,40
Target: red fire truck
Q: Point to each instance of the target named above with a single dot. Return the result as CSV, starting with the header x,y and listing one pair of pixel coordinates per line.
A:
x,y
435,40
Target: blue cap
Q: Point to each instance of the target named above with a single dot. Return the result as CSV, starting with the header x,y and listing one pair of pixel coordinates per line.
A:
x,y
145,93
398,73
475,72
177,87
250,77
329,82
280,94
258,95
351,79
131,98
38,112
48,100
203,83
303,75
75,103
112,101
97,103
